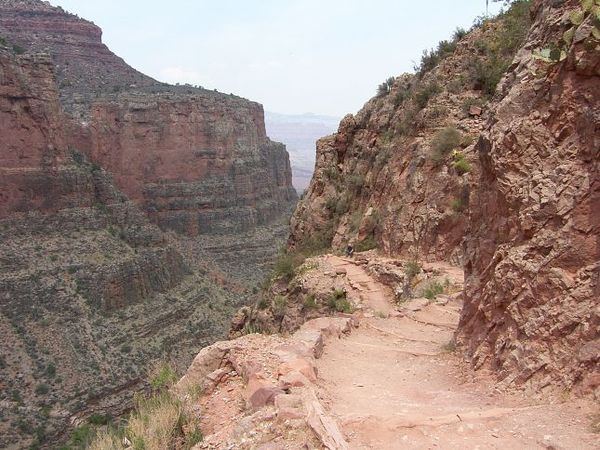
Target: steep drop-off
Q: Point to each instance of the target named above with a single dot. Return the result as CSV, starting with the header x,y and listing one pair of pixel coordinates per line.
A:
x,y
96,159
88,286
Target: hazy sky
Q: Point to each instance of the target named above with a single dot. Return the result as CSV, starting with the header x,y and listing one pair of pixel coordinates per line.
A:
x,y
293,56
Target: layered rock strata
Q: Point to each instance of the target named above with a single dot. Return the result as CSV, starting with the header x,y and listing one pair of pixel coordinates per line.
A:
x,y
91,293
196,161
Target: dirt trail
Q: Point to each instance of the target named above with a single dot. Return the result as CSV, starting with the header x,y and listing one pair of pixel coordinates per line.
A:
x,y
395,383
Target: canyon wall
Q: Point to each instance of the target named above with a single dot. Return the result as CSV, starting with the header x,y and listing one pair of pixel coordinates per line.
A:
x,y
91,293
533,248
96,161
196,161
487,156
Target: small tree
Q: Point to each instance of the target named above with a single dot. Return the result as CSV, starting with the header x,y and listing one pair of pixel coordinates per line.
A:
x,y
386,87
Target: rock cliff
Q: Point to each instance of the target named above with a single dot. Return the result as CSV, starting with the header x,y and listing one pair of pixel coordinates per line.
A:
x,y
197,161
397,175
533,248
95,159
488,155
87,283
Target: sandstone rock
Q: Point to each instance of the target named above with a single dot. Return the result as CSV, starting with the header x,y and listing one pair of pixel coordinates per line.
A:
x,y
301,365
260,391
475,110
531,279
293,379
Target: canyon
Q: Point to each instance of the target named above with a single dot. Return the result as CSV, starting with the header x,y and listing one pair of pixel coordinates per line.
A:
x,y
135,218
139,223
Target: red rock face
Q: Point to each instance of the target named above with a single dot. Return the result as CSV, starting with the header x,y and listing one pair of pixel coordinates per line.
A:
x,y
197,161
33,140
533,250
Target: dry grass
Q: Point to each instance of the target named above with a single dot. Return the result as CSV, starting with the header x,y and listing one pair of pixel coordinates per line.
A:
x,y
105,440
156,422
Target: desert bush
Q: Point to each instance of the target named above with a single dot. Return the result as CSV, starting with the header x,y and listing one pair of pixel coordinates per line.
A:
x,y
368,243
156,422
251,328
458,34
386,87
42,389
355,183
412,269
337,301
425,93
106,440
355,220
285,266
444,141
163,376
279,306
499,47
18,49
434,289
461,165
99,419
310,302
458,205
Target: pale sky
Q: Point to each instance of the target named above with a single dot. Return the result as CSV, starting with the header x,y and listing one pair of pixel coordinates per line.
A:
x,y
293,56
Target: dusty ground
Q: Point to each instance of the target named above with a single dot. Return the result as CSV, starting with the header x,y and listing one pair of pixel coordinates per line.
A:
x,y
396,383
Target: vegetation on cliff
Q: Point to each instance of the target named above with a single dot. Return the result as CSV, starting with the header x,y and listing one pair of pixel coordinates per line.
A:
x,y
414,141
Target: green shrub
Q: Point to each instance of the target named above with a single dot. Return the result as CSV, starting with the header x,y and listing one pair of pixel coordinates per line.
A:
x,y
450,346
251,328
368,243
18,50
459,33
263,303
310,302
279,306
385,88
125,348
355,183
2,41
337,301
457,205
99,419
497,49
444,141
163,377
285,267
462,166
51,370
433,290
425,93
42,389
412,269
81,437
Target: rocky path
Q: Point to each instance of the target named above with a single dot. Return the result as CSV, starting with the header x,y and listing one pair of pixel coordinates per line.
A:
x,y
396,383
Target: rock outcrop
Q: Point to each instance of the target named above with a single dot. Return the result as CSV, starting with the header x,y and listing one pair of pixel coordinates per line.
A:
x,y
516,202
533,249
390,177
